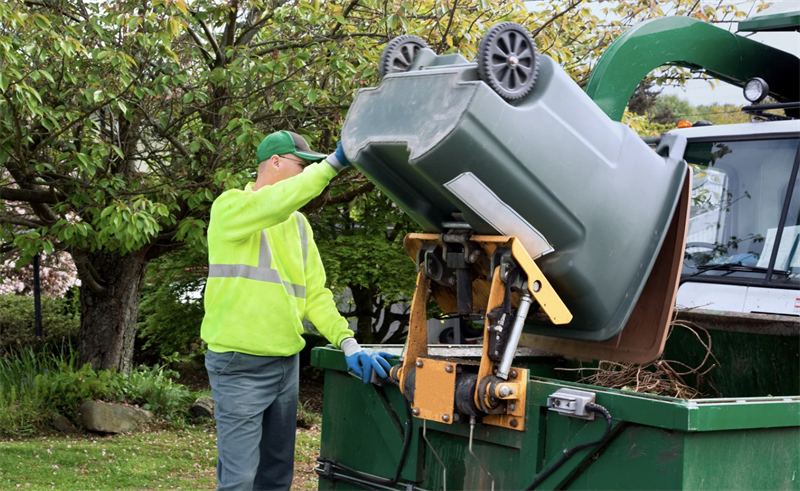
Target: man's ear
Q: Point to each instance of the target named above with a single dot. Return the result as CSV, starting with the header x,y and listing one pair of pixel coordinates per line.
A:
x,y
274,163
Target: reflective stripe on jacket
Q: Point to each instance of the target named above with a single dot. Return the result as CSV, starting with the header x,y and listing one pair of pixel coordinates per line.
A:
x,y
265,274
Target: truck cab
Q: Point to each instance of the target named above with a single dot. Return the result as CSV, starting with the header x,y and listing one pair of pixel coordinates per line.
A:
x,y
742,251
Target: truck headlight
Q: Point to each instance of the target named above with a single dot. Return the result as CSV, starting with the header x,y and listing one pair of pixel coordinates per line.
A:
x,y
756,89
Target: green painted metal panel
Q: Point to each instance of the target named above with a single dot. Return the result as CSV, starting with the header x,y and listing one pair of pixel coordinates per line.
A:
x,y
563,433
361,432
661,412
750,459
722,414
747,364
640,457
693,44
680,414
786,21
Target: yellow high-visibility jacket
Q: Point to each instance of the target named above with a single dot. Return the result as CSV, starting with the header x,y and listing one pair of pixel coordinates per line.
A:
x,y
265,274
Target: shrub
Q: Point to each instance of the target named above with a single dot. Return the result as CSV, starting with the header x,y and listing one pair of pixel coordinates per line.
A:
x,y
153,388
65,388
36,385
23,401
60,321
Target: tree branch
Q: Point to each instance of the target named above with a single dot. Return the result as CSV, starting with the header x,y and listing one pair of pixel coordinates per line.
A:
x,y
319,39
345,13
175,142
45,5
213,41
571,6
230,29
31,196
21,222
247,34
87,273
325,199
449,26
199,43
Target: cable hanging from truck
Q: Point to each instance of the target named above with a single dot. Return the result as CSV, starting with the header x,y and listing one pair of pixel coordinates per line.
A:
x,y
595,408
329,465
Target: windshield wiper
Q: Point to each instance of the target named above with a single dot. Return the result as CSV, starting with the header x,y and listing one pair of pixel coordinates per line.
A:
x,y
733,268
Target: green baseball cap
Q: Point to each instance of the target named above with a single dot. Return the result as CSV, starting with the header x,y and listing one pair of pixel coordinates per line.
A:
x,y
284,142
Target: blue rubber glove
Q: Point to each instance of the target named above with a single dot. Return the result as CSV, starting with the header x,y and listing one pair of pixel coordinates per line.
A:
x,y
363,361
337,159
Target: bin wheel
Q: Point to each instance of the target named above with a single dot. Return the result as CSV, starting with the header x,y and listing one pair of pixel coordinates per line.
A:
x,y
399,53
507,60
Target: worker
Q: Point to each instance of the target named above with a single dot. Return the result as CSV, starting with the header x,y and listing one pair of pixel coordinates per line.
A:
x,y
264,277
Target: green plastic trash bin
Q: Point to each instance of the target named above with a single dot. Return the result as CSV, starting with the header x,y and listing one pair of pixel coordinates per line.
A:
x,y
583,193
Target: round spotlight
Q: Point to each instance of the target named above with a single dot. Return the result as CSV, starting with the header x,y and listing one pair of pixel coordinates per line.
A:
x,y
756,89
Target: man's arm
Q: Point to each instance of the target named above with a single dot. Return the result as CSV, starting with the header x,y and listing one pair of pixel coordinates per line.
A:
x,y
322,312
238,214
320,307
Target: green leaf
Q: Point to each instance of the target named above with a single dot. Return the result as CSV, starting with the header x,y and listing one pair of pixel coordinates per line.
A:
x,y
188,97
312,95
41,21
97,96
194,146
47,75
233,123
340,19
243,139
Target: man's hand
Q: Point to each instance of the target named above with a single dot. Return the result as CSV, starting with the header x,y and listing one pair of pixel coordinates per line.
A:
x,y
363,361
337,159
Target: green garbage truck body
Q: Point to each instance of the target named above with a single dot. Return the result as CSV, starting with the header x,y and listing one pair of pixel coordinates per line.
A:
x,y
655,442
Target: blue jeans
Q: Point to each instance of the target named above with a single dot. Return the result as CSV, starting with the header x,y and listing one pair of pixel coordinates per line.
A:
x,y
255,405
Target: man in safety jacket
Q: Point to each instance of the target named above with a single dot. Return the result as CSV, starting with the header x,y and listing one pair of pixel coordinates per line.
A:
x,y
264,277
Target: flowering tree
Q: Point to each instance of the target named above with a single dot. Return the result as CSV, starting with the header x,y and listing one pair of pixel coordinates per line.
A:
x,y
56,275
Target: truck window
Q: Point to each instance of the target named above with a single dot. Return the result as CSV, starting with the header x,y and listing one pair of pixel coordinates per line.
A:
x,y
738,194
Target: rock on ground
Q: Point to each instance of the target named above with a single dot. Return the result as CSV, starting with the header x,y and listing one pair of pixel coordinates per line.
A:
x,y
204,407
112,418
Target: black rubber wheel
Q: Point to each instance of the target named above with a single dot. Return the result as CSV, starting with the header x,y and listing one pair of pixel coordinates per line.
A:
x,y
399,53
507,60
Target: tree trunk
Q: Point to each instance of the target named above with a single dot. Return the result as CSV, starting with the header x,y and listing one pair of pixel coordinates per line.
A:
x,y
108,320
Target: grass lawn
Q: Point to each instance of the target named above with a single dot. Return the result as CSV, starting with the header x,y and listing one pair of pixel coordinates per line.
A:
x,y
154,459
